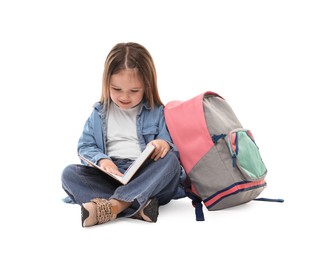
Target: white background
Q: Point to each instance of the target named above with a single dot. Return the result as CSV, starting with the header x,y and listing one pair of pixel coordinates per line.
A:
x,y
259,55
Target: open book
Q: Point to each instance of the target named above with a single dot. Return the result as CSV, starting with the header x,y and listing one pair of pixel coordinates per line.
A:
x,y
133,168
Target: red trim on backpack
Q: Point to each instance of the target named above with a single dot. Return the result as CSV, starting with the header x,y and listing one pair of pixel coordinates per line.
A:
x,y
234,189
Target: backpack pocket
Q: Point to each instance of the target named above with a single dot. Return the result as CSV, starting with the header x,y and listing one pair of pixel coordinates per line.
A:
x,y
245,154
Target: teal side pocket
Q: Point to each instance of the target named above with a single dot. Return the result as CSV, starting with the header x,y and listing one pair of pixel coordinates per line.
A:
x,y
248,157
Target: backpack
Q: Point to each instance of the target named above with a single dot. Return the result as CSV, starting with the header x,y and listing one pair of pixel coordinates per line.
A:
x,y
221,159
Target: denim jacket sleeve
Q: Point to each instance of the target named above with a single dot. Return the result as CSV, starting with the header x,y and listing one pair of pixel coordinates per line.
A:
x,y
91,141
153,126
164,133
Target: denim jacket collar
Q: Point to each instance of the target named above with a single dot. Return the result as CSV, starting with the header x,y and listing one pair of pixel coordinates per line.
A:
x,y
102,110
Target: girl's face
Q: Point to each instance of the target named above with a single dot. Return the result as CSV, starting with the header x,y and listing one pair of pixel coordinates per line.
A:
x,y
126,88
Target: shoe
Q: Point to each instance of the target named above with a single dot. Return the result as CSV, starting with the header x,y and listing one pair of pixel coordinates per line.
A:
x,y
97,211
149,212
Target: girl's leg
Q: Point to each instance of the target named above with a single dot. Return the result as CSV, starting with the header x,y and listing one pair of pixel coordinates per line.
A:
x,y
159,180
155,185
83,183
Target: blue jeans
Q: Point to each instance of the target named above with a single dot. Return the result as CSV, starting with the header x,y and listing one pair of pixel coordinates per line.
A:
x,y
158,179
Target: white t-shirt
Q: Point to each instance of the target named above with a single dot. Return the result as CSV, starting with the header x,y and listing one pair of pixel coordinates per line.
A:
x,y
122,139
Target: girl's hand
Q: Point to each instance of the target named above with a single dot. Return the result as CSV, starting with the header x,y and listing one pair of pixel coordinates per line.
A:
x,y
161,149
109,166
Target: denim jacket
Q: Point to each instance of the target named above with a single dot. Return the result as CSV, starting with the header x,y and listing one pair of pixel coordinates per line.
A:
x,y
150,125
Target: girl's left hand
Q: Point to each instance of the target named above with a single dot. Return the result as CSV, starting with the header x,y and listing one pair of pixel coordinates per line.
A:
x,y
161,149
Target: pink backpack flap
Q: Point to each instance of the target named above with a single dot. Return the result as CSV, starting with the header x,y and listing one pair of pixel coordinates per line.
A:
x,y
214,150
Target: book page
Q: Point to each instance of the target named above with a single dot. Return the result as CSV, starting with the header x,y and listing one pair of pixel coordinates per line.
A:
x,y
133,168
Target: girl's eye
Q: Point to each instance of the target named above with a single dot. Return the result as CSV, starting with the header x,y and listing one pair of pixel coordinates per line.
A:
x,y
135,90
116,89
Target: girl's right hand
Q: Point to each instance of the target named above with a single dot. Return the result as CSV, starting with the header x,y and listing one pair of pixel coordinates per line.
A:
x,y
109,166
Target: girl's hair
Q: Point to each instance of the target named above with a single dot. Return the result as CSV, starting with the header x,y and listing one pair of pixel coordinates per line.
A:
x,y
131,55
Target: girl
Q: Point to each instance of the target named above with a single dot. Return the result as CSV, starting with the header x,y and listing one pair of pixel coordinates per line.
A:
x,y
129,115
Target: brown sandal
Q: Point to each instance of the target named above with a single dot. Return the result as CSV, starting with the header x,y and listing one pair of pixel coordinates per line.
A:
x,y
97,211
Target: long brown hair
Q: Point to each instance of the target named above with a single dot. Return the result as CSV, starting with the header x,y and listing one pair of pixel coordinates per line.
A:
x,y
131,55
